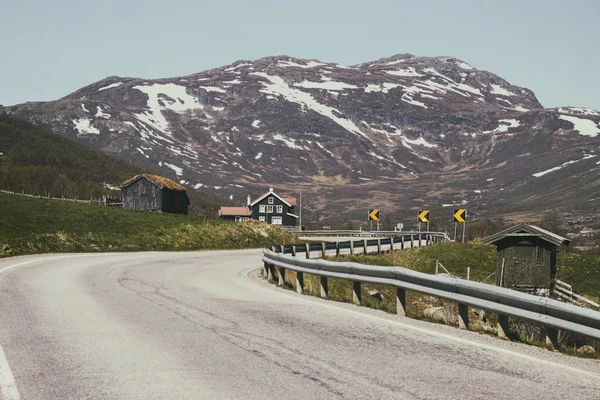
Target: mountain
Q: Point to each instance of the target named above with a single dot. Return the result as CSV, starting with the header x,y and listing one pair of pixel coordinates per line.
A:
x,y
399,134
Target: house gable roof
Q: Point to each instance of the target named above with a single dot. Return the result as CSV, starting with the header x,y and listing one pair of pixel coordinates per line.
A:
x,y
267,194
159,181
527,230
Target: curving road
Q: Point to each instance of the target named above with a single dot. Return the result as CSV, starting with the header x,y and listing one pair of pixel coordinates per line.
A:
x,y
196,326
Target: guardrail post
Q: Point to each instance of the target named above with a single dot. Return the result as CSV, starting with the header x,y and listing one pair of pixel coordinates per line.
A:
x,y
324,287
282,249
266,271
356,292
402,243
412,241
323,250
300,282
391,244
502,326
365,246
307,246
293,250
352,247
271,273
281,276
401,302
463,316
337,249
378,246
551,336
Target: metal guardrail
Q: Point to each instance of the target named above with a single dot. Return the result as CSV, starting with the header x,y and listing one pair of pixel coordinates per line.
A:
x,y
555,315
372,233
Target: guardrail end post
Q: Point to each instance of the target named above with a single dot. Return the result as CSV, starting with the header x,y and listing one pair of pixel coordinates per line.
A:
x,y
502,326
281,274
356,298
300,282
463,316
324,287
401,302
551,336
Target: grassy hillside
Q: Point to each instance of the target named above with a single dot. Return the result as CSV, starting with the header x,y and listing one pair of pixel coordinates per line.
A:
x,y
40,162
32,225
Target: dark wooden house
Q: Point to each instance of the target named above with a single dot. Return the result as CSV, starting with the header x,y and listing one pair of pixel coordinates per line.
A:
x,y
156,193
269,207
526,256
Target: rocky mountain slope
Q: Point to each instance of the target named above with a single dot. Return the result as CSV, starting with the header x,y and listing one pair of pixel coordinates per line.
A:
x,y
398,134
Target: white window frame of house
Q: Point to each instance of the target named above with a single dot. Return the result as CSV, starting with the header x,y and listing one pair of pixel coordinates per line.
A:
x,y
271,200
261,218
270,209
279,209
276,220
261,208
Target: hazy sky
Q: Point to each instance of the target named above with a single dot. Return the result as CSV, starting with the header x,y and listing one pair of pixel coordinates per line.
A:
x,y
50,48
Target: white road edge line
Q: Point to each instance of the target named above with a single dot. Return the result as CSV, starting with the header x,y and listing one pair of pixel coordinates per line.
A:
x,y
7,380
299,297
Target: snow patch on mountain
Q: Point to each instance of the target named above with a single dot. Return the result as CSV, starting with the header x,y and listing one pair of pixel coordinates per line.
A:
x,y
165,96
212,89
84,126
328,85
112,85
84,109
310,64
585,157
578,111
278,87
256,123
383,87
497,89
409,72
585,127
505,125
101,114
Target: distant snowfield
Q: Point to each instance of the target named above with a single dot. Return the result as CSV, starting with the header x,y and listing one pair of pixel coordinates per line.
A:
x,y
578,111
585,157
165,96
178,170
84,126
310,64
585,127
410,71
101,114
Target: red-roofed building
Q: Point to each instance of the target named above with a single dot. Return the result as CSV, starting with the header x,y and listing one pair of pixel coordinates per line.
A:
x,y
269,207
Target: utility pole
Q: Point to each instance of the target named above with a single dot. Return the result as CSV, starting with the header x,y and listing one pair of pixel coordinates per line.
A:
x,y
300,209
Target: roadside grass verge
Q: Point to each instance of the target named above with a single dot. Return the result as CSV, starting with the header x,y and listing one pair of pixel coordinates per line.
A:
x,y
456,258
37,225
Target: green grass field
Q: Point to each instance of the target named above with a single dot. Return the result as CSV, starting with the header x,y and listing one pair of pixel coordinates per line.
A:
x,y
37,225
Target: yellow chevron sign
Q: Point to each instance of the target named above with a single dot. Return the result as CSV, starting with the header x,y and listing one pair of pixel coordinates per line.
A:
x,y
460,215
424,215
373,215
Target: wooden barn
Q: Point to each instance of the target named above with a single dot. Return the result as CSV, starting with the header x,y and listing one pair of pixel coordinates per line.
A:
x,y
155,193
526,256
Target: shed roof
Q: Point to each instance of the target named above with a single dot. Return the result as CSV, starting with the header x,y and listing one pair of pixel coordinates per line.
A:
x,y
235,211
527,230
158,180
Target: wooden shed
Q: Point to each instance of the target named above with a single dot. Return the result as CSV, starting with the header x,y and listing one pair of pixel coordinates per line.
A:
x,y
526,256
156,193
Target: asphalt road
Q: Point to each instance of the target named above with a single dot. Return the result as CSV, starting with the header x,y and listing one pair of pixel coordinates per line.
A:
x,y
196,326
